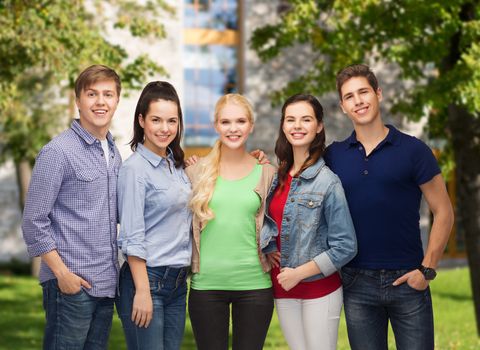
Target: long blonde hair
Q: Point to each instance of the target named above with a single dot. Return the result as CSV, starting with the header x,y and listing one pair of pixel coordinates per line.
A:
x,y
209,168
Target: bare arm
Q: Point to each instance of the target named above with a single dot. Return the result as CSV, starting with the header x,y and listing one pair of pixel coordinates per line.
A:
x,y
68,282
142,309
289,277
438,201
437,198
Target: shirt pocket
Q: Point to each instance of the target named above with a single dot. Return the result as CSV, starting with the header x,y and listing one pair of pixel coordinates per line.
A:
x,y
89,184
309,207
157,193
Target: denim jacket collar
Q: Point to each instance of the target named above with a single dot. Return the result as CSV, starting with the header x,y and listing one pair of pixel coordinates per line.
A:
x,y
313,170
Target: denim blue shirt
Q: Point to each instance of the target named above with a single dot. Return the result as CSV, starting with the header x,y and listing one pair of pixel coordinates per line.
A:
x,y
316,223
71,207
155,222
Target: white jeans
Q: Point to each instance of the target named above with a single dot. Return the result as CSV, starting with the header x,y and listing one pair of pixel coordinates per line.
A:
x,y
311,324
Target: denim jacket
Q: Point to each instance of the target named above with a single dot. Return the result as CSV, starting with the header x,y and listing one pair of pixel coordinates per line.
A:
x,y
316,223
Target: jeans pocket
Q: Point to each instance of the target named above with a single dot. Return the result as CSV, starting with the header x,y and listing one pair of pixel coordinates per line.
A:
x,y
348,278
415,289
77,295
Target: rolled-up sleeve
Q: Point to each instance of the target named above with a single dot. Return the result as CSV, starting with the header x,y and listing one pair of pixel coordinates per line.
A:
x,y
131,205
341,237
45,183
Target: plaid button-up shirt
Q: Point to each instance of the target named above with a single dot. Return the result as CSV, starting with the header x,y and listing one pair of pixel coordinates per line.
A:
x,y
72,207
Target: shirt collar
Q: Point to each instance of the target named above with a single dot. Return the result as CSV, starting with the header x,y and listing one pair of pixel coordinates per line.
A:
x,y
392,137
152,157
85,135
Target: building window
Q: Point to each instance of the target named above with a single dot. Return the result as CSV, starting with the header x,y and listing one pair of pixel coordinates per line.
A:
x,y
211,45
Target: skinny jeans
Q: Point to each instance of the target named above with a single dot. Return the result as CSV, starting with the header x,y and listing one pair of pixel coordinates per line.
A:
x,y
311,324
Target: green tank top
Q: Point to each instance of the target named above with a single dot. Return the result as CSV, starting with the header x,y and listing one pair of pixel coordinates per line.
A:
x,y
228,245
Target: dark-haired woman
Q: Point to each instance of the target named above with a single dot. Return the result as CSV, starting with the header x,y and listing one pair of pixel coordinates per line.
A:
x,y
308,233
153,193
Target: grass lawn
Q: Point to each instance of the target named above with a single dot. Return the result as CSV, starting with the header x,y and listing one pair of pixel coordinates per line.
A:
x,y
22,318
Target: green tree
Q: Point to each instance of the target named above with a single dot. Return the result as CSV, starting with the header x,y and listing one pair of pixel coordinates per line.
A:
x,y
44,45
435,45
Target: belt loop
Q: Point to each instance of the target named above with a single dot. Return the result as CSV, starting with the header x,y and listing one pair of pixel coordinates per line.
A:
x,y
179,276
165,274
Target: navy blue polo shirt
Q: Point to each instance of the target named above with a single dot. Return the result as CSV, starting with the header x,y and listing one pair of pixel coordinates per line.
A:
x,y
383,195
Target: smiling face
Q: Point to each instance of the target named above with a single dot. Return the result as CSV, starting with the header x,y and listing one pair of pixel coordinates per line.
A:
x,y
360,102
233,125
97,104
160,126
300,125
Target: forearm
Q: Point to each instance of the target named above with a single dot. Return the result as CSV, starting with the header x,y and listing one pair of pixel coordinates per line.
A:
x,y
138,267
55,263
308,269
439,203
439,234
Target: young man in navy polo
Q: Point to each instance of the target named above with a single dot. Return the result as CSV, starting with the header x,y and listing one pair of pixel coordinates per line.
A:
x,y
384,173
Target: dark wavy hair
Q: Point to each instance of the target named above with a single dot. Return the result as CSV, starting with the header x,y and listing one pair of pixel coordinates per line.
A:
x,y
283,148
154,91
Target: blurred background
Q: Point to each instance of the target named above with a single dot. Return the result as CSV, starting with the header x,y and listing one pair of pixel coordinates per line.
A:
x,y
426,55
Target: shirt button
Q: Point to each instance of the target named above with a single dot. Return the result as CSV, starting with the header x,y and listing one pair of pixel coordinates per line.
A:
x,y
286,237
292,200
360,148
366,159
287,219
365,172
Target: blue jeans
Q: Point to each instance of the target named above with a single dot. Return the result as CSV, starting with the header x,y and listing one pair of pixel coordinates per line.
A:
x,y
168,288
77,321
371,301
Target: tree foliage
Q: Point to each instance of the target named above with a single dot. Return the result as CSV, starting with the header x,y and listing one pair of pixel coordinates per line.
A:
x,y
416,35
435,46
44,45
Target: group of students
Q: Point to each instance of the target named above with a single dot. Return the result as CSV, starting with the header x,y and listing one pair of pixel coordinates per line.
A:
x,y
253,236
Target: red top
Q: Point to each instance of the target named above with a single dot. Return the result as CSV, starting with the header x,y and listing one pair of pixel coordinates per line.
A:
x,y
303,290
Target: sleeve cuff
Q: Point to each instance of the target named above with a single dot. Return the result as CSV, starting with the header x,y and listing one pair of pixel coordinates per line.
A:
x,y
136,250
40,248
325,264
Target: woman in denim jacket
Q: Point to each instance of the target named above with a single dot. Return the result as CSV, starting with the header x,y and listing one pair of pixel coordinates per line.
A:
x,y
308,234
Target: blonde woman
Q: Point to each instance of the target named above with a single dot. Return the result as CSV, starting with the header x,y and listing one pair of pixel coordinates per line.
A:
x,y
229,270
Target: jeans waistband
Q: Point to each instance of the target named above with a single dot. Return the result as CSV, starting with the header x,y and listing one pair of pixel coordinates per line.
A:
x,y
177,272
163,271
374,273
